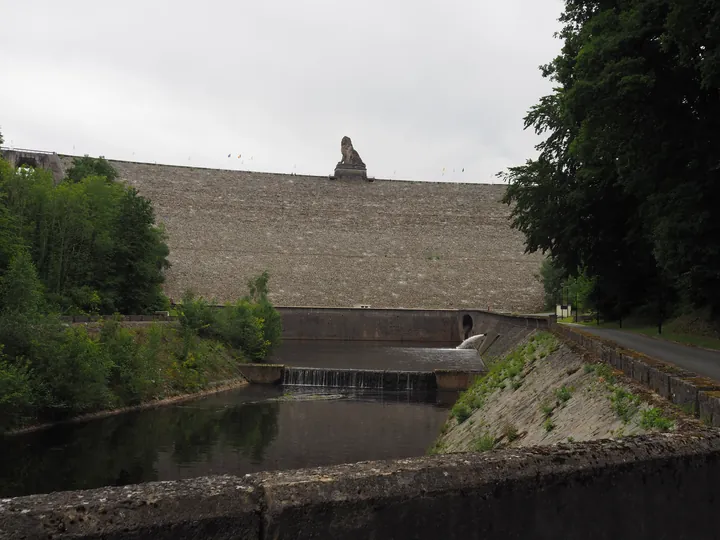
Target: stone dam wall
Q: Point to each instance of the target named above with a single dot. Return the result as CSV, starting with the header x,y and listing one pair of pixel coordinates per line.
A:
x,y
425,325
644,488
359,324
339,243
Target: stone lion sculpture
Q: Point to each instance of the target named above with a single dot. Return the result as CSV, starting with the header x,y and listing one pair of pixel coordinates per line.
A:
x,y
349,154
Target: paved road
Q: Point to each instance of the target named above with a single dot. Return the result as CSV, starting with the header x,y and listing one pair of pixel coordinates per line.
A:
x,y
701,361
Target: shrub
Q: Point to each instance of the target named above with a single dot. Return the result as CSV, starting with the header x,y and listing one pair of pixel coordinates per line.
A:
x,y
75,378
510,432
484,443
563,394
16,395
130,378
653,418
625,404
461,411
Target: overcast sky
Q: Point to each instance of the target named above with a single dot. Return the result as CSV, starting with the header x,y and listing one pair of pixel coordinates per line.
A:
x,y
418,85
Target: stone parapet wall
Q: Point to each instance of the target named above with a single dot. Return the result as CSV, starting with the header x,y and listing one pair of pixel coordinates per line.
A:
x,y
695,394
644,488
339,243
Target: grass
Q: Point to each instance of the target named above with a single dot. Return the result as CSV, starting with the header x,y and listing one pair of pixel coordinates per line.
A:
x,y
602,371
564,393
510,432
549,425
484,443
653,418
547,410
625,404
506,372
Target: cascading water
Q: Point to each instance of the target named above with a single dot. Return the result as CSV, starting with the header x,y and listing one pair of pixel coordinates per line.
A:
x,y
359,378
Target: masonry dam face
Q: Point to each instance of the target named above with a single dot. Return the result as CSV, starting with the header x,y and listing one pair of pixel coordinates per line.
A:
x,y
339,243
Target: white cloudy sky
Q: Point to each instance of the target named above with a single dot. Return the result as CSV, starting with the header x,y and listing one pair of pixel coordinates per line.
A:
x,y
419,85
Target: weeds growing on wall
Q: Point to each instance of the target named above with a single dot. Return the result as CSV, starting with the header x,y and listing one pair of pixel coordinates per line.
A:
x,y
506,372
628,406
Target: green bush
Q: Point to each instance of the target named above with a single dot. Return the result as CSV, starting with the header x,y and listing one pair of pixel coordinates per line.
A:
x,y
653,418
130,378
16,394
75,378
484,443
625,404
251,327
461,411
563,394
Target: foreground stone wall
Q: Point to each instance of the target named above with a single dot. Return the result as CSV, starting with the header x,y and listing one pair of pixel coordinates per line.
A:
x,y
339,243
651,487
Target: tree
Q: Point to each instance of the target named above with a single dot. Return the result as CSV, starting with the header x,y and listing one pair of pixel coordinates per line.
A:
x,y
139,258
86,166
93,242
628,179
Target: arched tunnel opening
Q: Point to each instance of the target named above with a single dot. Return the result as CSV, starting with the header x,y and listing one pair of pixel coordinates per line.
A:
x,y
27,162
467,325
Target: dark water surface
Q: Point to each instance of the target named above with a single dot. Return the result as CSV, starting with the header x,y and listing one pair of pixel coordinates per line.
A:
x,y
251,429
375,355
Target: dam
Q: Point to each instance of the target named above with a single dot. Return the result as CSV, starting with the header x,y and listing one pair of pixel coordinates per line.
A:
x,y
339,243
369,422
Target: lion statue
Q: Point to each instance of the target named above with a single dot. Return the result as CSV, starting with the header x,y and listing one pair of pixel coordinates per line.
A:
x,y
349,154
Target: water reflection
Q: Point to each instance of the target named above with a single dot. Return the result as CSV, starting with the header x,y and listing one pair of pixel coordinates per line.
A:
x,y
254,428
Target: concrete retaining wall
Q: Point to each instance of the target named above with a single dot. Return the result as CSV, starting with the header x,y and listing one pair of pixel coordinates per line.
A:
x,y
448,379
654,487
358,324
441,379
697,395
262,373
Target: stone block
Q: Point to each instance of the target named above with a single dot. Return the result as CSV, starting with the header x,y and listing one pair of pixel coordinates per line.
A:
x,y
626,364
262,373
683,392
350,171
709,407
641,372
449,379
659,382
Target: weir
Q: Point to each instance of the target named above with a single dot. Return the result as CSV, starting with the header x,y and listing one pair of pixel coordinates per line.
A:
x,y
359,378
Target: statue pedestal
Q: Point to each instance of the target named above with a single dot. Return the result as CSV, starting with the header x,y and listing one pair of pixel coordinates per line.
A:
x,y
350,171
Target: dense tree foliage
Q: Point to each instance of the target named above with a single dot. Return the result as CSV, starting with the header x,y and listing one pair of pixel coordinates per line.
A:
x,y
93,241
50,370
559,287
90,244
86,166
251,325
627,182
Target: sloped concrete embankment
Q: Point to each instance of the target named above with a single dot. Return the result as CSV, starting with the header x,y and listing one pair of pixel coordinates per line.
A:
x,y
648,487
542,392
694,394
